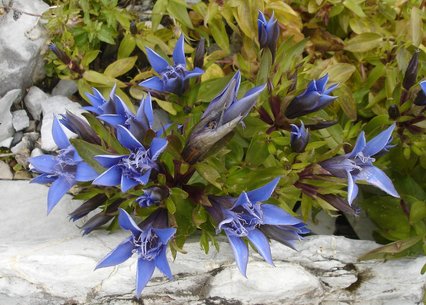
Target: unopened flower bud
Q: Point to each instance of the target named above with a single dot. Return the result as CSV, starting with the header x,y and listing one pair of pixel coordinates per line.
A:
x,y
411,72
393,112
299,138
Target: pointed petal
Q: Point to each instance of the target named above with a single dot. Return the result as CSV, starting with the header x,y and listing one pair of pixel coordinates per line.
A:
x,y
127,183
110,177
165,234
378,178
158,145
320,83
359,145
240,252
108,161
144,178
85,172
59,135
153,83
261,243
242,200
162,263
243,106
261,16
423,86
179,52
144,272
145,114
376,144
92,109
352,189
43,179
56,191
118,255
126,138
127,222
158,63
43,163
330,89
112,119
263,193
273,215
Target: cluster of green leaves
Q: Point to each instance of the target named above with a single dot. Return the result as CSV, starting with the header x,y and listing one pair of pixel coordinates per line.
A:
x,y
365,46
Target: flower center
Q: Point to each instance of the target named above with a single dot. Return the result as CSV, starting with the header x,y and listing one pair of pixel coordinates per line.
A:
x,y
242,219
65,163
136,163
148,245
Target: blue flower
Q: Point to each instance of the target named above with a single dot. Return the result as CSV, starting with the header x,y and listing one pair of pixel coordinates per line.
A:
x,y
247,217
63,171
172,78
152,196
148,241
132,169
268,32
138,123
315,97
299,138
221,117
99,104
420,99
358,165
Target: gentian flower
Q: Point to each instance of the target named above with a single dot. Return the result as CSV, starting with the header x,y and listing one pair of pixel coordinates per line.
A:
x,y
268,32
152,196
80,127
138,123
172,78
315,97
221,116
99,104
358,164
132,169
420,99
299,138
247,217
63,171
149,241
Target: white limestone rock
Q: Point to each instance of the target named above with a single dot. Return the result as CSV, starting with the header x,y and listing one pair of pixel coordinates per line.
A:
x,y
46,261
53,106
6,142
21,41
6,118
65,87
33,100
5,171
20,120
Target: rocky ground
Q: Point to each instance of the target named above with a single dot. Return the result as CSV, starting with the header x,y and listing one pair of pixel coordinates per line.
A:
x,y
44,260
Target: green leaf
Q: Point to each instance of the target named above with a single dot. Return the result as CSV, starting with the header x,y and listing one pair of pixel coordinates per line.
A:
x,y
121,66
127,45
265,67
391,249
99,78
199,216
209,173
416,26
170,205
87,151
177,9
363,42
417,211
158,11
166,106
354,7
89,57
218,31
340,72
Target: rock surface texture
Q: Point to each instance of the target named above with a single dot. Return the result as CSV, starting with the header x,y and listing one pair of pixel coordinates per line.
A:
x,y
46,261
21,41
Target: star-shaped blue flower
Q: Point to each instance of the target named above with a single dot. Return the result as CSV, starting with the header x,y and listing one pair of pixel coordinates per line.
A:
x,y
171,78
268,32
132,169
63,171
148,242
247,217
358,164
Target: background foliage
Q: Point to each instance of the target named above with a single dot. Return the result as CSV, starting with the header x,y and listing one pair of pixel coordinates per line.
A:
x,y
365,46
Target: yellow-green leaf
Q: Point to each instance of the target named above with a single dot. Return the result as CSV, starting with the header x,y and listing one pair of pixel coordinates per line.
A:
x,y
166,106
209,173
127,46
120,66
340,73
416,26
354,7
177,8
364,42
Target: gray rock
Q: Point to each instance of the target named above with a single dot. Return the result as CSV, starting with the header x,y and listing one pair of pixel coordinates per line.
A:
x,y
46,261
6,142
32,127
53,106
6,126
5,171
33,100
65,87
17,137
20,120
21,41
36,152
23,149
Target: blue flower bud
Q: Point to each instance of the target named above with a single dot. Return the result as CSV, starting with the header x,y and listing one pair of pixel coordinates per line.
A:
x,y
299,138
